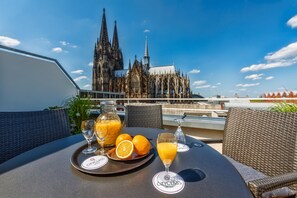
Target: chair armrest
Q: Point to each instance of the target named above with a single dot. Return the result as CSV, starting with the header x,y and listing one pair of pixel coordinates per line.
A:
x,y
259,186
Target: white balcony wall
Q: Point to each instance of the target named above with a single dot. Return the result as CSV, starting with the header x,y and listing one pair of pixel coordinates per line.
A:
x,y
29,82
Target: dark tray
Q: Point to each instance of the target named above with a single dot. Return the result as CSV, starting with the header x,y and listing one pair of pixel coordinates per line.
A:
x,y
112,166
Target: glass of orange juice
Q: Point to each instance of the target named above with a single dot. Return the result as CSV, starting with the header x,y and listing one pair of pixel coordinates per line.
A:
x,y
167,148
102,131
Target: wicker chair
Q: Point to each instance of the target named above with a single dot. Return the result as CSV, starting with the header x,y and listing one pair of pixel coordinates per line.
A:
x,y
149,116
22,131
265,141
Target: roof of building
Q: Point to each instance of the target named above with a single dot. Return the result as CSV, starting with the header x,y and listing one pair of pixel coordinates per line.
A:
x,y
168,69
281,93
33,55
120,73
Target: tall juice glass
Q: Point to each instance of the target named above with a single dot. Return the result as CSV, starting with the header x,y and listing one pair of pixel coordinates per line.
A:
x,y
167,149
166,181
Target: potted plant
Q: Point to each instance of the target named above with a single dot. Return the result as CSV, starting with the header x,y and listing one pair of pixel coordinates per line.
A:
x,y
78,110
284,107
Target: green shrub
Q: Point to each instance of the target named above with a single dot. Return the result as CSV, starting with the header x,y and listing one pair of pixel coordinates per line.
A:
x,y
284,107
78,110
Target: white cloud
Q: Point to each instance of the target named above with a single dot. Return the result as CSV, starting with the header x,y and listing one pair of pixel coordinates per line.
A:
x,y
269,78
199,82
79,71
242,89
194,71
146,31
57,50
87,86
257,67
9,42
91,64
219,83
80,78
292,22
202,87
247,85
64,43
285,57
254,77
289,51
214,87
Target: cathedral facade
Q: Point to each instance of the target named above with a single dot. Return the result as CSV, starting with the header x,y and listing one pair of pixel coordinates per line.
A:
x,y
140,80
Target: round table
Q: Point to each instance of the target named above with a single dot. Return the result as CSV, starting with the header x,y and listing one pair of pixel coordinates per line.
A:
x,y
205,171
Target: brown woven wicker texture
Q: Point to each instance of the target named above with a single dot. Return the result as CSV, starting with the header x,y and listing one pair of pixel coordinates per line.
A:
x,y
263,140
149,116
22,131
259,186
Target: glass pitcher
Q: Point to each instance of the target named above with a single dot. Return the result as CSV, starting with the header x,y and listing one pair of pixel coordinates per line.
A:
x,y
109,121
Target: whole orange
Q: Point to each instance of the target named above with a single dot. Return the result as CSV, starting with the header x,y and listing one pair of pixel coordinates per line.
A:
x,y
141,145
122,137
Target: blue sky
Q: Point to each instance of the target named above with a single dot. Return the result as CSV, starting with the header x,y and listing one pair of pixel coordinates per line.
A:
x,y
248,47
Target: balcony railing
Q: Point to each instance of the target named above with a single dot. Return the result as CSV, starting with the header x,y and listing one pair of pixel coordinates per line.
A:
x,y
205,116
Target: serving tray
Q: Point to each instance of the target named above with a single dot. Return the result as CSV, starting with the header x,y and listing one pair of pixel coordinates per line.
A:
x,y
112,166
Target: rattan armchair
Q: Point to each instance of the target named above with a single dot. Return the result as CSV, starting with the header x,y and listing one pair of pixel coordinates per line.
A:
x,y
22,131
149,116
265,141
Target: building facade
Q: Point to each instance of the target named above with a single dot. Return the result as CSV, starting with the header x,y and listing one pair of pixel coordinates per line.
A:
x,y
140,80
281,94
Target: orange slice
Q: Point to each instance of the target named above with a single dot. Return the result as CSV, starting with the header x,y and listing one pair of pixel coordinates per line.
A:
x,y
125,149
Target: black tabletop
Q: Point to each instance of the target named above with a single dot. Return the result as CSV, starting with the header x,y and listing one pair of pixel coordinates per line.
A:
x,y
47,172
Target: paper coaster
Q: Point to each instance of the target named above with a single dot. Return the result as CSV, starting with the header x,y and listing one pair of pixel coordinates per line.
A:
x,y
182,147
172,186
94,162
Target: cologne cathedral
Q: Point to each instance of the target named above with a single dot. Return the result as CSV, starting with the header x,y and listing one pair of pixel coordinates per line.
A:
x,y
140,80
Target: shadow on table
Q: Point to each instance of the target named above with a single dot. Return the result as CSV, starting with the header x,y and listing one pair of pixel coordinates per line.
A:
x,y
192,175
39,152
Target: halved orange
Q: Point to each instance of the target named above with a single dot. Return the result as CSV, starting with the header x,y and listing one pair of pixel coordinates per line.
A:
x,y
125,149
122,137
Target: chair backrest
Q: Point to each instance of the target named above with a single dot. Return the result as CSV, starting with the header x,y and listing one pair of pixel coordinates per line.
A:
x,y
263,140
149,116
22,131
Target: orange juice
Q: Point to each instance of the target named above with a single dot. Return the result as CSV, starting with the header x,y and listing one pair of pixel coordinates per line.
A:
x,y
167,152
112,128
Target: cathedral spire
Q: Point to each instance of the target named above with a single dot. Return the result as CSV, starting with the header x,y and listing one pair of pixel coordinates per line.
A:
x,y
146,54
129,65
115,40
146,57
103,34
